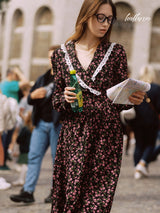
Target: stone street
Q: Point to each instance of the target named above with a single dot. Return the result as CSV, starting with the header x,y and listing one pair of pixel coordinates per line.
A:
x,y
132,196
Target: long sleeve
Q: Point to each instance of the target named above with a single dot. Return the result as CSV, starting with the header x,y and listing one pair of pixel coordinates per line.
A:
x,y
58,99
121,72
39,83
29,99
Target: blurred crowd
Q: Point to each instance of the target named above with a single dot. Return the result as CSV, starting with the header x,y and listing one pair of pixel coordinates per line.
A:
x,y
23,114
27,128
142,125
14,113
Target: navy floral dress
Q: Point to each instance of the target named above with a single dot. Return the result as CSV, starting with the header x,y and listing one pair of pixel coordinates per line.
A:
x,y
89,151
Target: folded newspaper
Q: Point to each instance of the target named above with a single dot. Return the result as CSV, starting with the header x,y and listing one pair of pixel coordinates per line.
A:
x,y
120,93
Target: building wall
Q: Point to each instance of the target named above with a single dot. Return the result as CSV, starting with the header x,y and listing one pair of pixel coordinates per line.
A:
x,y
142,35
29,28
26,44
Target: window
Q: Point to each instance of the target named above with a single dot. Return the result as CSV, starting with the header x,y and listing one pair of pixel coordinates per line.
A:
x,y
16,37
155,38
42,41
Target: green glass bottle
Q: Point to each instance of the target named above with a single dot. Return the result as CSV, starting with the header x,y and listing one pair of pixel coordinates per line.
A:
x,y
77,105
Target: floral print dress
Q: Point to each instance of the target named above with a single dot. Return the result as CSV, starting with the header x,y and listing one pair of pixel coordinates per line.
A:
x,y
89,150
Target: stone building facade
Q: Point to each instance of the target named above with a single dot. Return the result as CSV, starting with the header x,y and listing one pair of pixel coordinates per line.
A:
x,y
29,28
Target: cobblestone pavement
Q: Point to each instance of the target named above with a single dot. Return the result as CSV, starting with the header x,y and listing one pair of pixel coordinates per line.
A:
x,y
132,196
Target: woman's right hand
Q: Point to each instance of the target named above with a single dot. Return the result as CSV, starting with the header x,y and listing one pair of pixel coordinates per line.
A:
x,y
69,95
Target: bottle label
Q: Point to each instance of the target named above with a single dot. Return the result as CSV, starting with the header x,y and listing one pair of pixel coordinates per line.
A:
x,y
80,98
75,104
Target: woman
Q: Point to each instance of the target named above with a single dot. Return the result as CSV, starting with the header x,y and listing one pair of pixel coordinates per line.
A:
x,y
146,125
89,152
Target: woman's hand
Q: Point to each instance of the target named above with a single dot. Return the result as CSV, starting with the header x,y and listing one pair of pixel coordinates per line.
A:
x,y
69,96
137,97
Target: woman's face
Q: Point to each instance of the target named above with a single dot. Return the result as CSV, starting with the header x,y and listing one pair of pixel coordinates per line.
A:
x,y
98,24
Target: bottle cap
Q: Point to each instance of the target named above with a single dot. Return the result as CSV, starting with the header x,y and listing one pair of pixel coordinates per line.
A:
x,y
72,72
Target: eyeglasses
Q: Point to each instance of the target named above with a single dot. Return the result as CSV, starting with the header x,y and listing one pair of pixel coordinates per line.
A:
x,y
101,18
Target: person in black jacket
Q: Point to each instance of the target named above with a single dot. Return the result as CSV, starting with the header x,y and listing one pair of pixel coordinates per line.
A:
x,y
146,125
45,133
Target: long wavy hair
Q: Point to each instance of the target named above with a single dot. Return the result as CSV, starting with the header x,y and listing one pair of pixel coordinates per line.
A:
x,y
88,9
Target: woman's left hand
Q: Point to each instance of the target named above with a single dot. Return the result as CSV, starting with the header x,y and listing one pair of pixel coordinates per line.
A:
x,y
137,97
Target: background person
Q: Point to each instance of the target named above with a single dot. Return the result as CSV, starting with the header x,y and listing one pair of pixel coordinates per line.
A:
x,y
24,108
15,80
23,140
10,112
3,183
146,125
44,134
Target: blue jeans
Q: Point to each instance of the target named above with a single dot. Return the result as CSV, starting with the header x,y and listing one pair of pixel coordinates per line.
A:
x,y
43,135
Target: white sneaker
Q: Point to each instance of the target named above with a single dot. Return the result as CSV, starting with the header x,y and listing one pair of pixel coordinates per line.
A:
x,y
137,175
142,169
18,183
2,180
4,185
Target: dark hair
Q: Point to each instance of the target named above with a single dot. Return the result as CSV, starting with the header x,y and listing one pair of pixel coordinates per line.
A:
x,y
88,9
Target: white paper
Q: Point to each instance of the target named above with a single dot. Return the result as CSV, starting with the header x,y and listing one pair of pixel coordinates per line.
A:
x,y
120,93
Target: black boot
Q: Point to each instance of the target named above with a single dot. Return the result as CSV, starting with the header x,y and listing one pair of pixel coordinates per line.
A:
x,y
48,199
24,196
